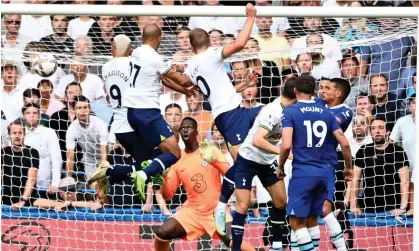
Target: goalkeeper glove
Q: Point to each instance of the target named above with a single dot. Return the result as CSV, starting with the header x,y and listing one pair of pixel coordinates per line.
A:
x,y
207,151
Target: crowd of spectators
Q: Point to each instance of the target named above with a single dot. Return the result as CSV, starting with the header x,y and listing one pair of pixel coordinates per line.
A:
x,y
55,130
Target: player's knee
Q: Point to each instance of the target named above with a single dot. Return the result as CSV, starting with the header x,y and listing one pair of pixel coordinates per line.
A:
x,y
242,207
280,204
163,233
327,208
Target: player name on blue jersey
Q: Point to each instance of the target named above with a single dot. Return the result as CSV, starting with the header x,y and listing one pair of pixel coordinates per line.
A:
x,y
311,109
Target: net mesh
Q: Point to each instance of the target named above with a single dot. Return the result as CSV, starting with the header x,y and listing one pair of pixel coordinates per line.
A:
x,y
281,47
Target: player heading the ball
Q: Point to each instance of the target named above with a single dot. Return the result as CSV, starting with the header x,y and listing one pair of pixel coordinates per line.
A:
x,y
314,143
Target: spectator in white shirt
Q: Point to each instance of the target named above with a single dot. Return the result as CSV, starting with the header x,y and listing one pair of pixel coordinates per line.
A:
x,y
11,94
91,84
358,133
317,66
90,133
225,24
173,97
45,141
36,27
80,26
13,42
404,132
83,46
318,42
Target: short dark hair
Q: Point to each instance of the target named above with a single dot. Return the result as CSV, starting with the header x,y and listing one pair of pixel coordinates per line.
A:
x,y
305,84
18,123
172,105
182,28
194,123
381,118
30,92
29,105
343,85
72,84
215,30
288,89
349,57
80,98
228,36
245,62
365,95
379,75
45,80
199,38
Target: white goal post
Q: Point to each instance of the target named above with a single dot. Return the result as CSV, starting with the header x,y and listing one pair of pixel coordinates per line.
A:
x,y
231,11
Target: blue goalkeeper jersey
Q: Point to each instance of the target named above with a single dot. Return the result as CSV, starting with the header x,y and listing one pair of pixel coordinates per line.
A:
x,y
313,142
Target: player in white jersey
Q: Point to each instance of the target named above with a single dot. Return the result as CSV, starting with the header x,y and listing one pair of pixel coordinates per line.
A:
x,y
258,156
208,73
141,99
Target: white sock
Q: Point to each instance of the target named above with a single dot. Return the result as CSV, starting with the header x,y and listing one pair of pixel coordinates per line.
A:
x,y
294,243
221,206
315,236
143,175
277,244
335,231
304,240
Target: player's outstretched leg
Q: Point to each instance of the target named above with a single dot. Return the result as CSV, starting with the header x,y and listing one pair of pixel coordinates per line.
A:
x,y
333,227
227,189
229,243
170,230
278,210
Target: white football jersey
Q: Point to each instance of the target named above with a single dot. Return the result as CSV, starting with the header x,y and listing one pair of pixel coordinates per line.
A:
x,y
269,118
147,68
208,73
116,76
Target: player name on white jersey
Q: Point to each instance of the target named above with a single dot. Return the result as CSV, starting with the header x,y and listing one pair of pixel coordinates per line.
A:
x,y
208,73
147,68
269,118
116,77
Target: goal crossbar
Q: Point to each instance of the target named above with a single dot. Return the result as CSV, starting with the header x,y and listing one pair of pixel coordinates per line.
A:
x,y
209,11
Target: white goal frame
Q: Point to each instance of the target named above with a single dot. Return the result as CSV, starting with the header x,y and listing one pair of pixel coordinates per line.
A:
x,y
232,11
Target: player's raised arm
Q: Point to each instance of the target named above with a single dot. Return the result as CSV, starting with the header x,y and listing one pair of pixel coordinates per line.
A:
x,y
214,156
182,80
346,152
244,34
186,89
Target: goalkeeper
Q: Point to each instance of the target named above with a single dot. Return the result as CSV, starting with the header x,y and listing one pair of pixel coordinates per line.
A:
x,y
199,171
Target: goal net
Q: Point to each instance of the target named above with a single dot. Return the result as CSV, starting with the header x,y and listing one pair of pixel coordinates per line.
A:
x,y
378,56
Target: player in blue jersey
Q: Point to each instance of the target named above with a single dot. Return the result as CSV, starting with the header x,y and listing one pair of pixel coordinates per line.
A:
x,y
314,150
334,94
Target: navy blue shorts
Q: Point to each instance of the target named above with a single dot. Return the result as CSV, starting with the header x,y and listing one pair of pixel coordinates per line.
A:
x,y
150,126
246,170
306,196
134,145
234,125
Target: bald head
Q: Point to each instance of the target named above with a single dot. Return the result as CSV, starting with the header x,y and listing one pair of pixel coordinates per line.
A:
x,y
151,33
121,46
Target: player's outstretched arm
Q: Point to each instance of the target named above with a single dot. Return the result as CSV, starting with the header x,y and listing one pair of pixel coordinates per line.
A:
x,y
177,87
346,152
181,79
171,183
214,156
259,141
244,34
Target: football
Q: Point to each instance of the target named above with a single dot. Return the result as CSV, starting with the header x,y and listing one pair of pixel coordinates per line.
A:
x,y
45,65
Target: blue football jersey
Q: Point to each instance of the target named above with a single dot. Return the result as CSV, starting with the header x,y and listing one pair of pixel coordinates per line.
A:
x,y
342,112
313,142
